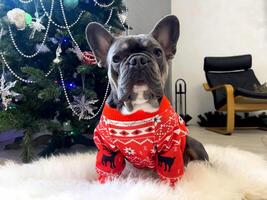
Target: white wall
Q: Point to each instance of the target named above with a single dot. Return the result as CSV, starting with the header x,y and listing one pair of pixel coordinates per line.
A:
x,y
143,14
217,28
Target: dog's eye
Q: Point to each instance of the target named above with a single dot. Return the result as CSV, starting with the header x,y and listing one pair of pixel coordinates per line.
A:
x,y
157,52
116,59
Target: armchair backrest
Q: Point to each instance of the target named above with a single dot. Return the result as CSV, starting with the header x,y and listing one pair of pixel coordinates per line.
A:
x,y
234,70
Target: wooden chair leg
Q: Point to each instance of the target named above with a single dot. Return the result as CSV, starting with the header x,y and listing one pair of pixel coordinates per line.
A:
x,y
230,124
230,108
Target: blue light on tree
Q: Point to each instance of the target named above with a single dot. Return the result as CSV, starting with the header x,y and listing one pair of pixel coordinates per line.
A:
x,y
71,85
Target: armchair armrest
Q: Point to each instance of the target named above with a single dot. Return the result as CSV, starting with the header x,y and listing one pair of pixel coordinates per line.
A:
x,y
228,87
229,94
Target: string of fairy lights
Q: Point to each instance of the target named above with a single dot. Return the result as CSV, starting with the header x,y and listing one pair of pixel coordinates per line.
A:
x,y
68,27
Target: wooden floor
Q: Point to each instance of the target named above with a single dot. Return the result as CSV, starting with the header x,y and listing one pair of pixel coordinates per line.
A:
x,y
252,140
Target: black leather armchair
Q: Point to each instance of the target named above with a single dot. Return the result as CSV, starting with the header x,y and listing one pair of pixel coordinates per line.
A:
x,y
231,81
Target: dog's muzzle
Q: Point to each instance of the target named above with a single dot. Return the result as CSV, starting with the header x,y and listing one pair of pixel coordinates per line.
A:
x,y
139,69
139,61
138,64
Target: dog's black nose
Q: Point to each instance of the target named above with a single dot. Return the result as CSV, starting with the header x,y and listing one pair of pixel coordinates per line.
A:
x,y
138,61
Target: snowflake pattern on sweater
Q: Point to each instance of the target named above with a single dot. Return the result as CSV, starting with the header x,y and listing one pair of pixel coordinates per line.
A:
x,y
147,140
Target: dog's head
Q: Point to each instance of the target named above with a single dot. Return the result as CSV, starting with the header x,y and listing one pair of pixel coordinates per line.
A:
x,y
135,62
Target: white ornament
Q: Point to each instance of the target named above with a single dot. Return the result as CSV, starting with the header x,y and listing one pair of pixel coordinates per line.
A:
x,y
6,94
17,16
36,24
83,106
58,59
69,103
123,16
42,48
76,50
37,52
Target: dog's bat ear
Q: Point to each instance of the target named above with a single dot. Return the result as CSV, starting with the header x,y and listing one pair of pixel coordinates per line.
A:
x,y
167,32
99,40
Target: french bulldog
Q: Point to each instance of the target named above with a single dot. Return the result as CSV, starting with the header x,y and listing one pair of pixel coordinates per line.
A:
x,y
137,68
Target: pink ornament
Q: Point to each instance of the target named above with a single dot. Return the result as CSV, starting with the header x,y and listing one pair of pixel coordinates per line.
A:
x,y
89,58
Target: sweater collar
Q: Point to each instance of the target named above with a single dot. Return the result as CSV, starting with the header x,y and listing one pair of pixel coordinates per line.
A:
x,y
114,114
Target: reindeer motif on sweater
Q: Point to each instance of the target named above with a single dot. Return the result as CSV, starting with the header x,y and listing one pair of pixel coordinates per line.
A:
x,y
109,159
146,140
166,161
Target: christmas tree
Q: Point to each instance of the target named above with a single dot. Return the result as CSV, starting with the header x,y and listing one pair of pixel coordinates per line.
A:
x,y
50,80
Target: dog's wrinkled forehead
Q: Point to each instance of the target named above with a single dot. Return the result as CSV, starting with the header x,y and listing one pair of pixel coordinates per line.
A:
x,y
136,42
132,44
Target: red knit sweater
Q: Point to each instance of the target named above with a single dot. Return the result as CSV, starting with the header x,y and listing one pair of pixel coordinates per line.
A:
x,y
147,140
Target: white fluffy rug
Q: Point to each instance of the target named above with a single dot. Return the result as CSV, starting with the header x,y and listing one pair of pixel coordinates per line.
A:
x,y
232,174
